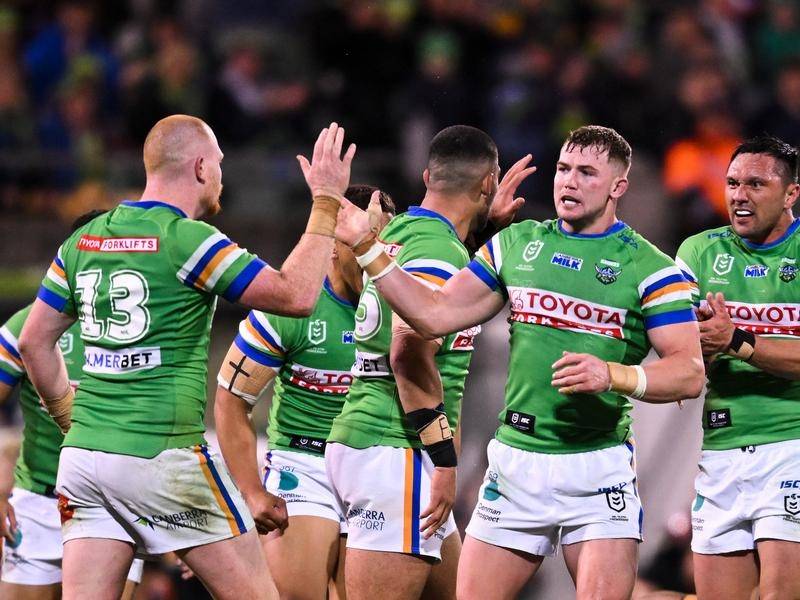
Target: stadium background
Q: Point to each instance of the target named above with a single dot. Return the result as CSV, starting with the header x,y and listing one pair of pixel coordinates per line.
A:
x,y
81,83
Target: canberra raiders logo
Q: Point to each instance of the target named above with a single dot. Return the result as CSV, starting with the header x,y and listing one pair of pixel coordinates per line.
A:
x,y
607,271
788,270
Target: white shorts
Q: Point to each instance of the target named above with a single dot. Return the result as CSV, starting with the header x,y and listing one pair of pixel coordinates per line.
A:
x,y
382,491
746,494
181,498
301,480
531,500
37,558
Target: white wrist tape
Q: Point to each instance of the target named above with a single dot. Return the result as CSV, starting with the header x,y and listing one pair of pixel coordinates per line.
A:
x,y
641,383
374,252
385,271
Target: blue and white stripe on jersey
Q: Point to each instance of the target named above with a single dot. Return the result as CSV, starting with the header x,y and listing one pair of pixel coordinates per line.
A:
x,y
487,262
257,332
689,275
209,262
430,270
11,368
665,286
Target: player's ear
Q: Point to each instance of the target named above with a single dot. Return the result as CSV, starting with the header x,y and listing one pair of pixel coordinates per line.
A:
x,y
619,187
487,184
791,195
426,177
199,167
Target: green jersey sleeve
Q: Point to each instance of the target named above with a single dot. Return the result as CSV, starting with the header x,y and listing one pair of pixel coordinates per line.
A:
x,y
11,368
55,288
687,261
664,292
415,259
207,260
486,265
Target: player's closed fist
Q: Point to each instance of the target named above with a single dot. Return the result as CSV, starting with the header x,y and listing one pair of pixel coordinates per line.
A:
x,y
577,373
269,512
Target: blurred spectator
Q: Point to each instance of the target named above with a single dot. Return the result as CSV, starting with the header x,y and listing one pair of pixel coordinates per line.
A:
x,y
671,568
17,129
778,38
49,55
695,169
781,117
245,97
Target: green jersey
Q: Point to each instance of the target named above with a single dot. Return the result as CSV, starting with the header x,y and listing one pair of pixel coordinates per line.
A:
x,y
312,357
744,405
143,280
425,244
598,294
41,438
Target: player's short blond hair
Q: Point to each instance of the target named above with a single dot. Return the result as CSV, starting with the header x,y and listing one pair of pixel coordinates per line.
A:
x,y
171,141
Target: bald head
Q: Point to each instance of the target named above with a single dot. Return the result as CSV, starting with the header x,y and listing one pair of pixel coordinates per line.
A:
x,y
174,141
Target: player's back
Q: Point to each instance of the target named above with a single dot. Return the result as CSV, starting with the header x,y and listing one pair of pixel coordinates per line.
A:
x,y
141,279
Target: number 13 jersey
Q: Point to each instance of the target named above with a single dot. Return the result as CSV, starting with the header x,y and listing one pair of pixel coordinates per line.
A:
x,y
143,280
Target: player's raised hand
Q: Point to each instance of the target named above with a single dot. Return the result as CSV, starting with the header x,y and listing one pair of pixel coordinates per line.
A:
x,y
443,496
716,332
506,203
355,225
269,512
328,172
575,373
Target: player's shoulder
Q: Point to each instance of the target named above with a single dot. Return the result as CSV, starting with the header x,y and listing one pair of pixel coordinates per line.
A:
x,y
710,240
646,257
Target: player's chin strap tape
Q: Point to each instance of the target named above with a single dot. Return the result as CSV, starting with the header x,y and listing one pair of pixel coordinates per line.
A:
x,y
743,344
324,211
435,434
629,380
371,257
60,408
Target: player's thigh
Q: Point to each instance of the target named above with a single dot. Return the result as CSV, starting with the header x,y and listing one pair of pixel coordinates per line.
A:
x,y
441,582
780,569
603,568
110,561
17,591
234,568
373,574
336,586
731,576
510,570
303,559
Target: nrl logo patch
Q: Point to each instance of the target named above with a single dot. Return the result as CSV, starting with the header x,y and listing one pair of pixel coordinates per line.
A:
x,y
791,504
723,264
616,500
65,343
317,331
788,270
607,271
532,250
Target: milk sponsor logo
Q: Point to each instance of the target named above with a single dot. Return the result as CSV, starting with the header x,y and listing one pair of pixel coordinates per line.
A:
x,y
756,271
723,264
128,360
774,319
551,309
532,250
321,380
567,261
465,340
94,243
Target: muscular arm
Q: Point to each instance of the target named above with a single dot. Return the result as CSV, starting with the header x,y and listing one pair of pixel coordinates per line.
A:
x,y
678,374
293,291
462,302
38,346
777,357
414,366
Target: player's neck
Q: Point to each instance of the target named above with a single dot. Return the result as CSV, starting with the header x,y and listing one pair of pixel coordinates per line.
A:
x,y
596,226
776,233
340,287
459,209
174,196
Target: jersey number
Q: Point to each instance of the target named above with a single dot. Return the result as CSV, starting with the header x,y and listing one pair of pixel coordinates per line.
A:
x,y
128,295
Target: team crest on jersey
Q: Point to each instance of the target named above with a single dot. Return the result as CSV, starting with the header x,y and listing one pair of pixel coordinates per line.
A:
x,y
723,264
607,271
567,261
791,504
317,331
756,271
788,269
532,250
65,343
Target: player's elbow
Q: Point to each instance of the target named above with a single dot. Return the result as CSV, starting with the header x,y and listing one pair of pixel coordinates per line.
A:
x,y
302,306
695,379
24,345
